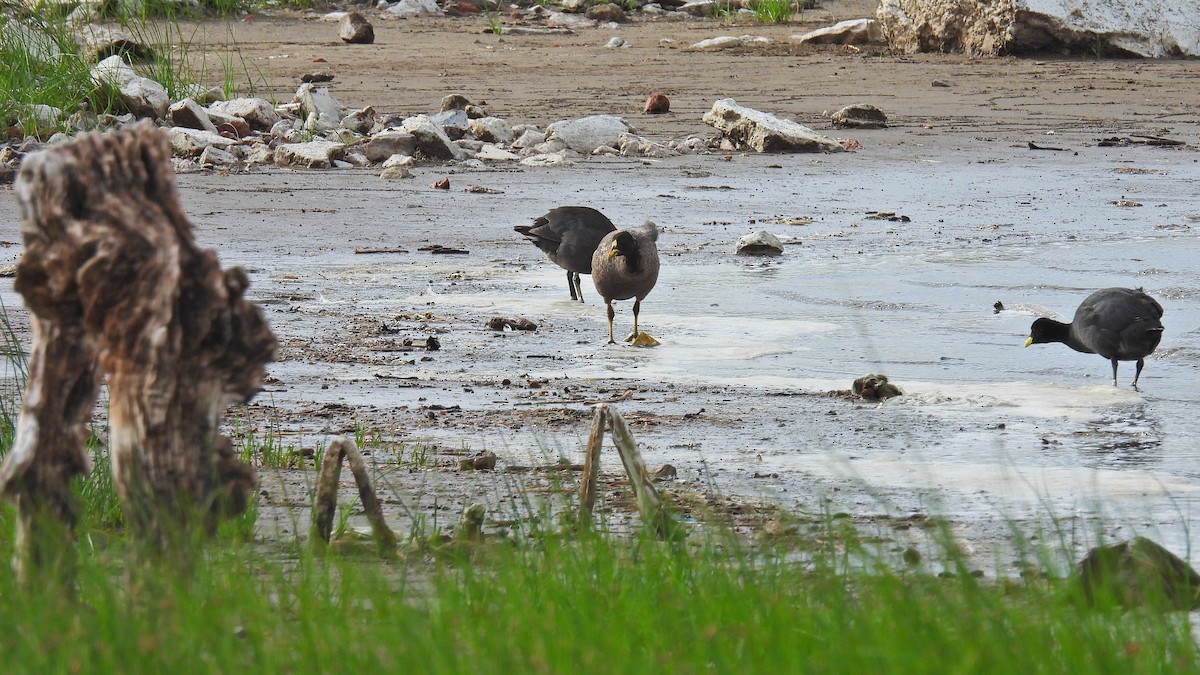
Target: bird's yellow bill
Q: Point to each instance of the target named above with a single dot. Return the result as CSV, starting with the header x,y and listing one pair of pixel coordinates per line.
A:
x,y
612,252
1028,340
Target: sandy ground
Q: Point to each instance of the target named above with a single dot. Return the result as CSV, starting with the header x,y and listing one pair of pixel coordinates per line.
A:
x,y
342,318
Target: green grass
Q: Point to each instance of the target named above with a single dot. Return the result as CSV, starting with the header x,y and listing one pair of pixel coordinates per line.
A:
x,y
774,11
595,605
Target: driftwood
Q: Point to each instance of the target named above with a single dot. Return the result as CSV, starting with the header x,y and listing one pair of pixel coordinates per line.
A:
x,y
116,285
327,489
654,513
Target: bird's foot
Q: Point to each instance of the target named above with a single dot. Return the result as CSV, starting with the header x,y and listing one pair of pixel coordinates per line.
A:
x,y
631,337
611,341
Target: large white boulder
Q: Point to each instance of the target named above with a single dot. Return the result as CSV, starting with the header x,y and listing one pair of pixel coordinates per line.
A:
x,y
1149,28
765,132
588,133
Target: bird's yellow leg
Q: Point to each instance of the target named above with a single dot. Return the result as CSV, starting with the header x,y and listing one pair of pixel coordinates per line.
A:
x,y
637,305
611,314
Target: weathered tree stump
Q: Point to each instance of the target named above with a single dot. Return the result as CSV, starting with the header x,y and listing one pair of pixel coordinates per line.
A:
x,y
117,285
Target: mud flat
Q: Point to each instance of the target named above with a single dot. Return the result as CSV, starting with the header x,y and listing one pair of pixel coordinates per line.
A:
x,y
743,395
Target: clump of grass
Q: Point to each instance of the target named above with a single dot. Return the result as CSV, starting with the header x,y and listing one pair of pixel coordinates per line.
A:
x,y
774,11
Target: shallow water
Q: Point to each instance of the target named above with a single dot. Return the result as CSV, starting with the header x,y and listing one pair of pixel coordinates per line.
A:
x,y
988,432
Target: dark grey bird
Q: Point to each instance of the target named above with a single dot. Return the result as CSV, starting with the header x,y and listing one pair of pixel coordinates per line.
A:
x,y
625,265
569,235
1120,324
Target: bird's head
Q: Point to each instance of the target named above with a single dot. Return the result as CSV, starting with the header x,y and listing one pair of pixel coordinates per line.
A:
x,y
623,244
1044,331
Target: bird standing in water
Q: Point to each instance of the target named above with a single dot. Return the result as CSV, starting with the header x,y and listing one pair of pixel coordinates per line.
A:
x,y
1120,324
568,235
625,265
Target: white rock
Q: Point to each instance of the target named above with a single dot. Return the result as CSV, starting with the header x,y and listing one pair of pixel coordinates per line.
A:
x,y
493,153
410,8
395,172
144,97
45,118
571,21
632,145
490,129
553,159
214,157
616,43
259,153
587,133
334,17
765,132
357,159
700,7
470,145
398,160
429,138
1147,28
605,150
187,142
388,143
852,32
759,243
728,42
528,138
552,146
359,121
257,112
188,113
318,154
320,111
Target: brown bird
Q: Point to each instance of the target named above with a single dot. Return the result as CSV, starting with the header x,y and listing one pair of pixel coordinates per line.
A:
x,y
569,235
1120,324
625,265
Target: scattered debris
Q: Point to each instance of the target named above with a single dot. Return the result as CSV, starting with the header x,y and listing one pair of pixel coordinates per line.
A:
x,y
364,251
645,339
665,472
875,387
480,461
499,323
438,249
1035,146
889,216
942,83
729,42
442,183
1126,203
1138,139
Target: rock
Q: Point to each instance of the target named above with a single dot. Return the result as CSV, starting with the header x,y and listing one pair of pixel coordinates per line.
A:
x,y
387,143
455,102
729,42
187,142
356,159
852,32
574,6
188,113
334,17
442,183
632,145
45,119
318,154
569,21
1146,28
395,173
354,28
461,8
700,7
556,159
1139,572
97,42
257,112
490,130
588,133
453,122
359,121
616,43
665,472
35,43
759,243
321,113
399,160
606,12
764,132
213,157
234,127
429,139
317,77
491,153
406,9
142,96
527,137
657,104
875,388
859,116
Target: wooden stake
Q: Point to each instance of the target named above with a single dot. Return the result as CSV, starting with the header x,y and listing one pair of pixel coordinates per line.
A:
x,y
327,489
591,466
